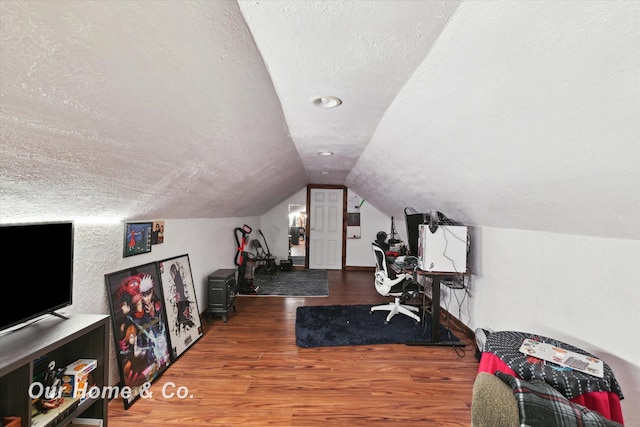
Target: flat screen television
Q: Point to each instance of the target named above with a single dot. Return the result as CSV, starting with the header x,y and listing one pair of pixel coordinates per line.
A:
x,y
36,270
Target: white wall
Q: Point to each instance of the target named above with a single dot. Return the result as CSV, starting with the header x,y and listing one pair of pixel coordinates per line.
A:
x,y
581,290
359,252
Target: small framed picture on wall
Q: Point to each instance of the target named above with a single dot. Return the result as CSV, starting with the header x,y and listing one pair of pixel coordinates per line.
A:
x,y
137,238
157,233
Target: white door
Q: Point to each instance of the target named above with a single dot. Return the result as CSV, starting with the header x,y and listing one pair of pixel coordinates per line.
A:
x,y
325,235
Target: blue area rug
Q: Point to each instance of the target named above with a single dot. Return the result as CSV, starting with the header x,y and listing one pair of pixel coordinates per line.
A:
x,y
296,283
340,325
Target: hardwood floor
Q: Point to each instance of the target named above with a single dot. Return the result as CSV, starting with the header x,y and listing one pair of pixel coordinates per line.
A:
x,y
249,372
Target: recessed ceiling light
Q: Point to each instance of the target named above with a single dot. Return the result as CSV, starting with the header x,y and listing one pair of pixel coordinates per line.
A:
x,y
326,101
325,153
325,173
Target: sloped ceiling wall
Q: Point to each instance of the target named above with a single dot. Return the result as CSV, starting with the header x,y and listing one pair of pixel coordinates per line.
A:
x,y
508,114
138,110
524,115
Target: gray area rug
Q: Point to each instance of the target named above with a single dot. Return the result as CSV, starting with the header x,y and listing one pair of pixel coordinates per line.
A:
x,y
296,283
297,260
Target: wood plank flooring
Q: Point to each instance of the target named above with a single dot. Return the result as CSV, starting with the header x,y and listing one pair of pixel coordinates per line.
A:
x,y
249,372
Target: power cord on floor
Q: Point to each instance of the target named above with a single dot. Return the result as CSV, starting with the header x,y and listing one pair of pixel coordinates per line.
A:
x,y
456,285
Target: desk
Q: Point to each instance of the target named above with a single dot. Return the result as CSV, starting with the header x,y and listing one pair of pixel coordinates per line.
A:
x,y
436,279
501,353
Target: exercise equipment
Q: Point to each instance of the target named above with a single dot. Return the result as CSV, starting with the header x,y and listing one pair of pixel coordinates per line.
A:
x,y
242,240
245,261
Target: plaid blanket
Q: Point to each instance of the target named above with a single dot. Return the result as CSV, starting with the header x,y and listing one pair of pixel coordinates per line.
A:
x,y
540,405
570,382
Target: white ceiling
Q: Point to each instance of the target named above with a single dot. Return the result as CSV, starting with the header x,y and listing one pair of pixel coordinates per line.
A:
x,y
362,52
504,114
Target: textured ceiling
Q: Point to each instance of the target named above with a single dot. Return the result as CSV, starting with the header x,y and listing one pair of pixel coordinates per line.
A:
x,y
139,110
508,114
525,115
361,52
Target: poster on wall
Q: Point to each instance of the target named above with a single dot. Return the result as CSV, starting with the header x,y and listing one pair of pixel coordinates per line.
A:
x,y
183,316
157,233
139,326
137,238
354,203
353,225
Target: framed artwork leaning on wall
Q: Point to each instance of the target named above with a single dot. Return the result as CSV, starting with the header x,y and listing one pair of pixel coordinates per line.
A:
x,y
139,326
183,315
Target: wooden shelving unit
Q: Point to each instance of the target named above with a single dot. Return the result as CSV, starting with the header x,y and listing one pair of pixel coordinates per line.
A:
x,y
80,336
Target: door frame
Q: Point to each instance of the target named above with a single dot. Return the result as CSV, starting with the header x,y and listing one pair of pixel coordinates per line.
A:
x,y
344,221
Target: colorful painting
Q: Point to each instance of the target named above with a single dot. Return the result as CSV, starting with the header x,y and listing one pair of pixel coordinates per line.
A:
x,y
139,326
183,316
137,238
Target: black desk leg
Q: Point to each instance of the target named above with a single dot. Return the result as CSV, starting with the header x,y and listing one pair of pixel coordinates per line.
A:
x,y
435,309
435,320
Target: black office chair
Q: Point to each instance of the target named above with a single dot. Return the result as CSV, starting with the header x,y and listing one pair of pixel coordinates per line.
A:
x,y
398,285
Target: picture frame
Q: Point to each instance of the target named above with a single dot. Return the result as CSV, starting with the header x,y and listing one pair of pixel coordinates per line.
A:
x,y
139,326
353,225
157,233
137,238
181,305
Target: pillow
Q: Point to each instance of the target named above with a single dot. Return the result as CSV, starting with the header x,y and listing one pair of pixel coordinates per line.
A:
x,y
492,403
540,405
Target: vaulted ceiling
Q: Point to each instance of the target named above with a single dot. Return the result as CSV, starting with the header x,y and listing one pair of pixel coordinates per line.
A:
x,y
510,114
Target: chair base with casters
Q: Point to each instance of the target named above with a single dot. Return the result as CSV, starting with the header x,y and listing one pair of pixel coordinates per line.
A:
x,y
396,307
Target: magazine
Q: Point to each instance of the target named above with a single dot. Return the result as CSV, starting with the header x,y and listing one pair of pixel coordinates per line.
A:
x,y
566,358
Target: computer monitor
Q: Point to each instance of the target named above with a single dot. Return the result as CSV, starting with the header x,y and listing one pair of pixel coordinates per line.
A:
x,y
413,220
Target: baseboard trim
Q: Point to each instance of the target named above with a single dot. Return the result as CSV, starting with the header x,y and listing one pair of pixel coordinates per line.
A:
x,y
356,268
446,317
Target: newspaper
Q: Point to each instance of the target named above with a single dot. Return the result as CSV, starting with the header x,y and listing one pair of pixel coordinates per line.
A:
x,y
566,358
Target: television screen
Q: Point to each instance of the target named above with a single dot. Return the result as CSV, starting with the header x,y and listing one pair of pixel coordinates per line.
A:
x,y
37,270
